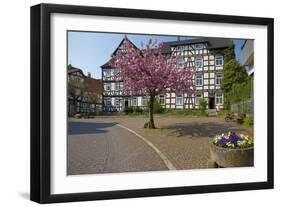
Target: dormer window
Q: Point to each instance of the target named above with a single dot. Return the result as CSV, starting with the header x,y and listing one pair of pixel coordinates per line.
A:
x,y
199,46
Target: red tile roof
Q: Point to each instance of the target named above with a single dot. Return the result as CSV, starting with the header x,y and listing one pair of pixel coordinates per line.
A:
x,y
95,85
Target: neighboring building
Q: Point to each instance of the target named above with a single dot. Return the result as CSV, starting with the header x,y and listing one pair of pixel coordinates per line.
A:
x,y
248,56
203,54
84,92
247,50
248,60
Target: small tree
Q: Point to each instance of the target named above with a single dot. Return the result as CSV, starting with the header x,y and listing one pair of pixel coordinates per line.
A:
x,y
202,105
241,92
92,98
148,72
228,53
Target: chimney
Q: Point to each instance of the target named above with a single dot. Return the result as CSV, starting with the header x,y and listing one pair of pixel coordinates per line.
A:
x,y
89,75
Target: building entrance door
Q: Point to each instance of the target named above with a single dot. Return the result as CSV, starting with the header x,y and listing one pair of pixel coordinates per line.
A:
x,y
212,103
126,103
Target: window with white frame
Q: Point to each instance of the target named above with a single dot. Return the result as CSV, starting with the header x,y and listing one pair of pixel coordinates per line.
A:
x,y
198,97
219,60
199,80
179,100
134,101
180,63
113,85
107,72
219,99
162,100
199,46
107,86
218,79
144,101
198,62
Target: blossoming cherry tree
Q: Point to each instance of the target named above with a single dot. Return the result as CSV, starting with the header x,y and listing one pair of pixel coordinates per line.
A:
x,y
148,72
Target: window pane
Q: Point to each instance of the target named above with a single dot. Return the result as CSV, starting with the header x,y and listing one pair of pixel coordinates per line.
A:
x,y
199,62
219,99
218,79
180,63
197,99
179,100
199,80
219,60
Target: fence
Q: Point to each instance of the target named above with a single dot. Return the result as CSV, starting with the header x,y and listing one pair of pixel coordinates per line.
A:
x,y
246,107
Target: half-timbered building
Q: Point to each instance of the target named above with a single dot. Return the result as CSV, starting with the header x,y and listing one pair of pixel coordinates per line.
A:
x,y
84,92
205,55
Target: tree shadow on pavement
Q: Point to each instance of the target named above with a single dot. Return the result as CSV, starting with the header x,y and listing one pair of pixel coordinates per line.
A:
x,y
76,128
202,130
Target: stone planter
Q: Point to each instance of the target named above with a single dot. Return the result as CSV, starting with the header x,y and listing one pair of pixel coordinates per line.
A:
x,y
225,157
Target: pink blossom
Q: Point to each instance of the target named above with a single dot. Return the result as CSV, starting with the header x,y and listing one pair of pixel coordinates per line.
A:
x,y
149,72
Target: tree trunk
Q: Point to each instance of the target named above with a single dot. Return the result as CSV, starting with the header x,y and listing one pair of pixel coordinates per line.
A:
x,y
150,124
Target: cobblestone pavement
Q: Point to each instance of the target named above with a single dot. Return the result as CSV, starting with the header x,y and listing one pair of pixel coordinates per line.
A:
x,y
104,147
183,140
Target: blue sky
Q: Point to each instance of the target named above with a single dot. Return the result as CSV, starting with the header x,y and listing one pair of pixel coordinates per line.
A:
x,y
89,50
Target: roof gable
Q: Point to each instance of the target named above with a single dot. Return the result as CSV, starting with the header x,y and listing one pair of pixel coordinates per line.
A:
x,y
109,63
71,70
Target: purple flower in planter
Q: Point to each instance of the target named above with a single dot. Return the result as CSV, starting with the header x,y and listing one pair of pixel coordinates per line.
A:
x,y
222,141
233,138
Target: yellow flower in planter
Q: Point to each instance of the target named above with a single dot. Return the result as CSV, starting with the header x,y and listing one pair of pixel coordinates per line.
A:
x,y
250,140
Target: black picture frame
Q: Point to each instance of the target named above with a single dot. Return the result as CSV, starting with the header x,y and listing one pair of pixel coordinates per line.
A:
x,y
41,95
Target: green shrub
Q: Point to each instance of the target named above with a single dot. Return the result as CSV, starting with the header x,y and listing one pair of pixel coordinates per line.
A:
x,y
223,113
202,105
138,109
128,110
157,107
248,121
134,110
